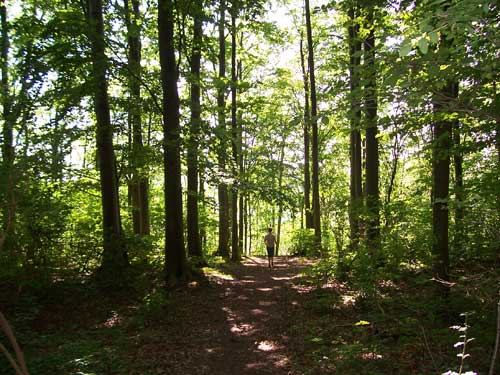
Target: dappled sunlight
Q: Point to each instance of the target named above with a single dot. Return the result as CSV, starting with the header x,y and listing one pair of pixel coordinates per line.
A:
x,y
217,274
348,300
264,289
246,281
242,329
371,356
258,312
302,289
112,321
285,278
266,346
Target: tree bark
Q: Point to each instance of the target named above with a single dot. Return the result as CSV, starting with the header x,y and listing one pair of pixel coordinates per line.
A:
x,y
223,248
236,255
459,177
139,185
241,166
372,157
280,204
442,133
193,231
496,104
314,129
8,152
114,257
307,124
175,256
356,193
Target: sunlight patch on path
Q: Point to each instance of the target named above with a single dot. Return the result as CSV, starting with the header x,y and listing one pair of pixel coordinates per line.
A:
x,y
285,278
264,289
267,346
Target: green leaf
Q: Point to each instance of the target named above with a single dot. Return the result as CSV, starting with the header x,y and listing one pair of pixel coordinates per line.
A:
x,y
423,45
433,36
405,49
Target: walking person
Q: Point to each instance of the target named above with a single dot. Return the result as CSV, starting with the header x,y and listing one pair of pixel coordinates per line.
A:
x,y
270,241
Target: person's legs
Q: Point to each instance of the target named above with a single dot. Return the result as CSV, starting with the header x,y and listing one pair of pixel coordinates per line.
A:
x,y
269,256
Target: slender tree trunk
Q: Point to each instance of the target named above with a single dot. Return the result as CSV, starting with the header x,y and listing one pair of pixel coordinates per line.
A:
x,y
8,154
175,256
496,105
355,137
459,177
114,257
307,124
236,255
201,200
249,226
441,180
246,220
442,130
139,186
223,248
241,166
193,230
314,128
280,205
372,157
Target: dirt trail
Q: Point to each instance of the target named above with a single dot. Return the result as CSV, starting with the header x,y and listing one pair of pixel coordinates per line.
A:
x,y
240,326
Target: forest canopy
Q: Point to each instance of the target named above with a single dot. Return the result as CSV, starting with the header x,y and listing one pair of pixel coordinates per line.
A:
x,y
164,134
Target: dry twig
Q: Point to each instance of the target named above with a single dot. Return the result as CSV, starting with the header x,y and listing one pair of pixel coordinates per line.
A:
x,y
20,365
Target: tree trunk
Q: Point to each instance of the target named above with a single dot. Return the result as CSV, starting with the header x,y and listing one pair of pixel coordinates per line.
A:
x,y
193,231
496,105
372,157
314,139
201,200
6,174
356,194
223,248
114,256
442,130
139,185
175,256
241,167
459,178
236,255
307,124
280,205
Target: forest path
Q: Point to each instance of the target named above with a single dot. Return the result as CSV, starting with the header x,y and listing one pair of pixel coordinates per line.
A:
x,y
238,325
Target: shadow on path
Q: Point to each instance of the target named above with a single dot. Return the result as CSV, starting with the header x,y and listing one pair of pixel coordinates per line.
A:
x,y
238,325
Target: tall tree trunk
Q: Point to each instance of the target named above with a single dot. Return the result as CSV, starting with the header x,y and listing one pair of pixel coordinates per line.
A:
x,y
496,107
307,124
241,167
193,231
175,256
356,194
223,248
202,208
280,204
372,157
442,133
246,221
236,255
314,138
114,256
6,174
459,177
139,186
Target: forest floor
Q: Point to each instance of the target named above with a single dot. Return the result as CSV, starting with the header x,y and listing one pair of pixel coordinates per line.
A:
x,y
244,318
